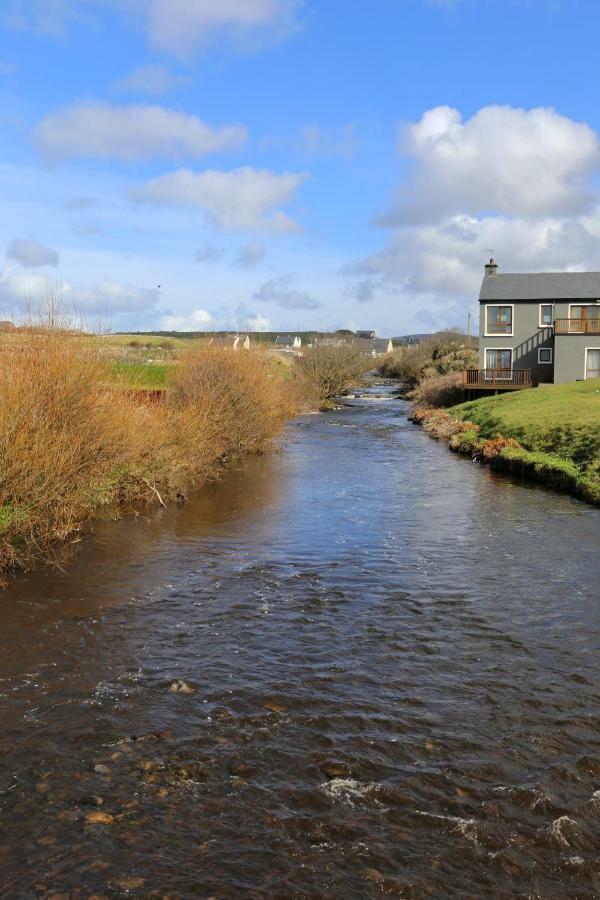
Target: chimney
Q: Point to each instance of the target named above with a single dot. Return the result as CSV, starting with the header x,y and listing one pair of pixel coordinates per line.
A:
x,y
491,268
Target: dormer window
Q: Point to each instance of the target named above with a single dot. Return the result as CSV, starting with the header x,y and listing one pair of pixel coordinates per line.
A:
x,y
499,320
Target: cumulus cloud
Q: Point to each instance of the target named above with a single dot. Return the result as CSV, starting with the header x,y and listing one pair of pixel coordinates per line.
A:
x,y
242,199
31,254
131,133
250,255
279,290
447,259
153,80
502,160
516,181
198,320
18,291
209,254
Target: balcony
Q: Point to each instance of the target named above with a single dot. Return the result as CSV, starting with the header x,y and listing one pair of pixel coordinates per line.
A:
x,y
497,379
577,326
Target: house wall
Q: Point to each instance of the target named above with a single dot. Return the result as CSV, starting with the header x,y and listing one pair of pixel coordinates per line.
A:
x,y
525,341
569,356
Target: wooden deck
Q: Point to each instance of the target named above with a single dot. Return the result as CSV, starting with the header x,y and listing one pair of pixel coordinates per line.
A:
x,y
577,326
497,379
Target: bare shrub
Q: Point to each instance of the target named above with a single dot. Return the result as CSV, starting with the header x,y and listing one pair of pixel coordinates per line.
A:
x,y
441,354
332,371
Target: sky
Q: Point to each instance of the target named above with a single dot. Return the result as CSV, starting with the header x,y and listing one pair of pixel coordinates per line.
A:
x,y
292,164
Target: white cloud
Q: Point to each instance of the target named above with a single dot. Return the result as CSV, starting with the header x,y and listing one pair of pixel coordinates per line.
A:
x,y
19,291
131,133
209,254
31,254
180,26
502,160
242,199
279,290
198,320
154,80
516,181
250,255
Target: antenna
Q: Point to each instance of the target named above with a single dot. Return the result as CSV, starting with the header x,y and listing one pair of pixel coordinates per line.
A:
x,y
491,252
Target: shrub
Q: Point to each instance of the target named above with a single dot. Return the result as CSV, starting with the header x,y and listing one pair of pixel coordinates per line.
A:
x,y
72,442
441,354
440,390
331,371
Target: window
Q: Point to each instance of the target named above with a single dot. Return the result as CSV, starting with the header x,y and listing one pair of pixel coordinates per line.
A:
x,y
498,359
546,315
498,320
545,356
592,363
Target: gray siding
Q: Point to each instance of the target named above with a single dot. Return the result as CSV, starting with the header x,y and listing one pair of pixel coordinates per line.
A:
x,y
569,356
525,341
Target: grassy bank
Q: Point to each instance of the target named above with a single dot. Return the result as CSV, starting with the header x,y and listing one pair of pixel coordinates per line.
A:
x,y
73,442
550,435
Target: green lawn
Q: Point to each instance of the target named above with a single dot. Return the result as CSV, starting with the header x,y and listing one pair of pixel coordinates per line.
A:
x,y
149,376
560,419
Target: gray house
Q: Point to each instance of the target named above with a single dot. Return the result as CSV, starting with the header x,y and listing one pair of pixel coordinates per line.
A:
x,y
539,328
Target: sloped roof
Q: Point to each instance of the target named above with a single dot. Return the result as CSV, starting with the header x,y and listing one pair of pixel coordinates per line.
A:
x,y
541,286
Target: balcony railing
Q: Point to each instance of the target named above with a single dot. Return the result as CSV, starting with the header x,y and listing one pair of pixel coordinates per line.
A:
x,y
577,326
497,378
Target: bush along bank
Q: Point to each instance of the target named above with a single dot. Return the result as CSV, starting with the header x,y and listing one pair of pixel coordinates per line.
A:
x,y
75,444
506,454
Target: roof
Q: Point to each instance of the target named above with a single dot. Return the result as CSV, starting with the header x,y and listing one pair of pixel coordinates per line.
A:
x,y
542,286
284,339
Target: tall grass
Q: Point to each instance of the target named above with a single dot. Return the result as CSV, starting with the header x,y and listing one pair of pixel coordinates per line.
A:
x,y
70,443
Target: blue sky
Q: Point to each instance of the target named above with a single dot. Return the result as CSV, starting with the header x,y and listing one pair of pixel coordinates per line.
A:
x,y
281,164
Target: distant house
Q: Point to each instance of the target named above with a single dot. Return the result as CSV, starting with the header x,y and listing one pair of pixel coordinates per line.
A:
x,y
288,342
367,335
375,347
536,328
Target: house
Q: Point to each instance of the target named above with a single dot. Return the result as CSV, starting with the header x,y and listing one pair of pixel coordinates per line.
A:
x,y
535,329
368,335
288,342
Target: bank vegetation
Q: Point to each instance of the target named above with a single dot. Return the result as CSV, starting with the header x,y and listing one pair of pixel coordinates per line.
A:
x,y
550,435
76,441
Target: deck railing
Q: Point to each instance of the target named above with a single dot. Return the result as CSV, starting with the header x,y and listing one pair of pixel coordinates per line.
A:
x,y
497,378
577,326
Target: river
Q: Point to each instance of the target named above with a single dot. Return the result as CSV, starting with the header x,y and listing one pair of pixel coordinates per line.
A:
x,y
391,658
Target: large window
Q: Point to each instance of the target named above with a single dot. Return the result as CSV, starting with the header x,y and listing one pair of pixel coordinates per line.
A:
x,y
499,320
546,315
586,312
498,359
592,363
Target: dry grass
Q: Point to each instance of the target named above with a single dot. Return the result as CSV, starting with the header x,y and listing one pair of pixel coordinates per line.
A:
x,y
70,445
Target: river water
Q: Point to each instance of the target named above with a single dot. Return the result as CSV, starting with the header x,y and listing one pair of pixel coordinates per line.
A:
x,y
393,663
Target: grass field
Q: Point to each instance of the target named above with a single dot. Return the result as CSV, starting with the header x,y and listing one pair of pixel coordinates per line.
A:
x,y
560,419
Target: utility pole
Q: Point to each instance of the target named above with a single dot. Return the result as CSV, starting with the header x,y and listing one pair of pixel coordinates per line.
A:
x,y
469,324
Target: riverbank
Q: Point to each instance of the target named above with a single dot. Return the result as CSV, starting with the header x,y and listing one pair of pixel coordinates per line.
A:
x,y
77,442
549,435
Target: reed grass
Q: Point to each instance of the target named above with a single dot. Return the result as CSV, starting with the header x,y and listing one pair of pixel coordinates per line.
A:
x,y
73,442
